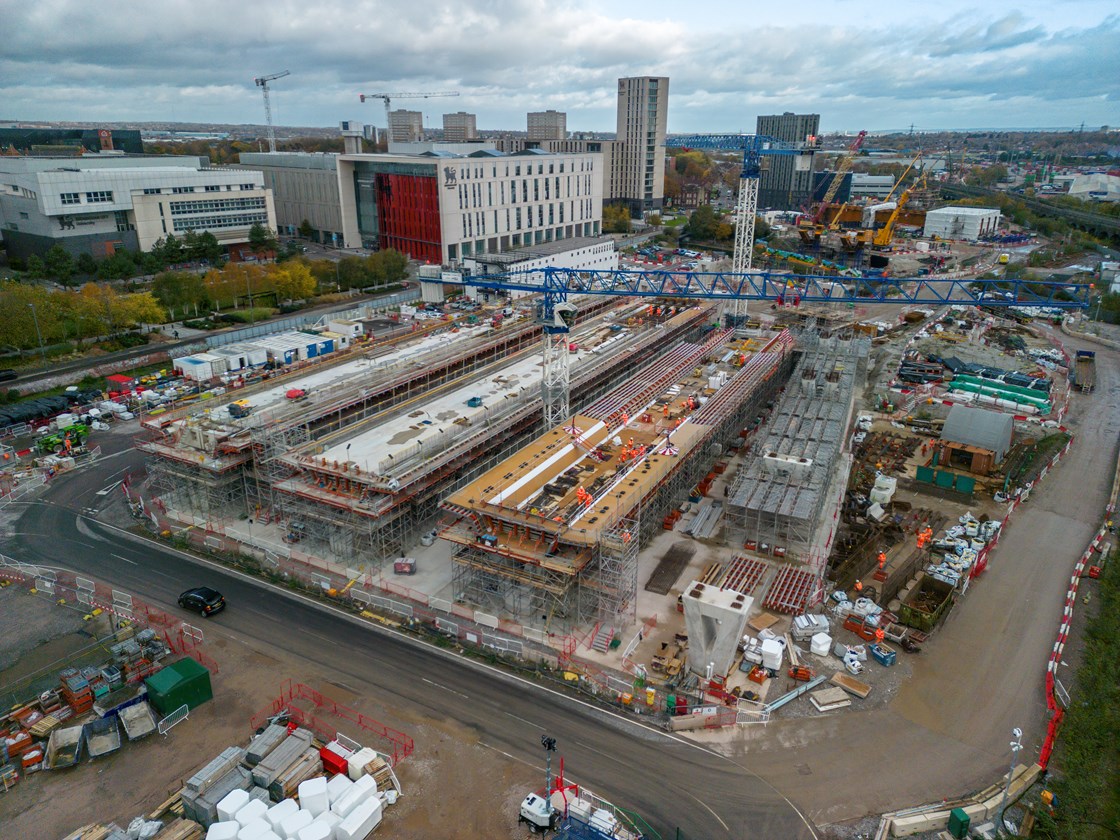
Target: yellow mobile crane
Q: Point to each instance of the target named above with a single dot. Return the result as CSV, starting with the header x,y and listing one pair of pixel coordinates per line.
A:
x,y
883,235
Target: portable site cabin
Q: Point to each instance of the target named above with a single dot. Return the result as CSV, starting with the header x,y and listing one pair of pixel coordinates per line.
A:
x,y
200,367
346,327
240,356
182,683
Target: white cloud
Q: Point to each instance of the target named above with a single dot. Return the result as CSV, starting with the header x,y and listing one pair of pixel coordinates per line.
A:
x,y
857,63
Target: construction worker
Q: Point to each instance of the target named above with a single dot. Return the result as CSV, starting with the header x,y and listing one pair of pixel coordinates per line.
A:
x,y
880,634
665,411
859,586
882,560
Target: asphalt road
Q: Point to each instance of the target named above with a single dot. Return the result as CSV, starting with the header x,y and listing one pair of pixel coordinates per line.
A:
x,y
945,733
669,781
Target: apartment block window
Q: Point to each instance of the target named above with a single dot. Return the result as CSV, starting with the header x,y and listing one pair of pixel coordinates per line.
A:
x,y
248,186
213,188
182,190
70,198
99,196
152,190
517,169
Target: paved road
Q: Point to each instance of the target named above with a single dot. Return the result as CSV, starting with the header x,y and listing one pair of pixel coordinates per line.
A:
x,y
639,768
945,732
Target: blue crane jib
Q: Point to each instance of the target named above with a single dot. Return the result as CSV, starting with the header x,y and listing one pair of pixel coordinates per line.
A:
x,y
753,147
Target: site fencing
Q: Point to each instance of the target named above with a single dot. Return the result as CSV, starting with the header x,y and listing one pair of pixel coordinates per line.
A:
x,y
306,707
66,589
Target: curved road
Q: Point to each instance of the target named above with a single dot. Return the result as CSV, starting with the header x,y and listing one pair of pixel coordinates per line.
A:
x,y
943,734
637,767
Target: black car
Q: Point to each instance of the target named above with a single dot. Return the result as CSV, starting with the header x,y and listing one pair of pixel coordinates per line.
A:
x,y
203,600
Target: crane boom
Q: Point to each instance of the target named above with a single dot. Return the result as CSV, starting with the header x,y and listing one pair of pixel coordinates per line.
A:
x,y
262,83
842,167
388,97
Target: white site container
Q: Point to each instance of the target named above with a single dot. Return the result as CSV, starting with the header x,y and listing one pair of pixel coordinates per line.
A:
x,y
772,651
356,764
231,803
820,644
361,821
278,812
362,790
313,796
224,830
337,787
290,826
252,811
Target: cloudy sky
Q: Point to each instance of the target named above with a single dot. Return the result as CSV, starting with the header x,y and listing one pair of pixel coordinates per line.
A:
x,y
871,64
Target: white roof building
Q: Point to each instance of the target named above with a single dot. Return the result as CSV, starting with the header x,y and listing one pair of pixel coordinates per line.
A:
x,y
969,223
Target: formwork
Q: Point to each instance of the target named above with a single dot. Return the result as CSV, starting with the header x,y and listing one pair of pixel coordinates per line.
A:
x,y
552,534
775,501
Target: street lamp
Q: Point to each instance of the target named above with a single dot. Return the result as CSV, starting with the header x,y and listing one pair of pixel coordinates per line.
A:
x,y
1016,745
42,349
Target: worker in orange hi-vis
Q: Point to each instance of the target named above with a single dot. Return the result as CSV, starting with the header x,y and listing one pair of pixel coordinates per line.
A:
x,y
665,412
859,586
882,560
880,634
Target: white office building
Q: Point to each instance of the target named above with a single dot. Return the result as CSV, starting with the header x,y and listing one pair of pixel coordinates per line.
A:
x,y
441,208
585,253
99,204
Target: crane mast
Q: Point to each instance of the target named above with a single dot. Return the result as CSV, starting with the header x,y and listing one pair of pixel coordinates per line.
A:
x,y
262,83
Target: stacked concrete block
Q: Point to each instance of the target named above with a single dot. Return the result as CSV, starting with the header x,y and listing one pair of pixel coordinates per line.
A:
x,y
280,757
361,821
263,744
356,764
313,796
316,831
330,819
202,806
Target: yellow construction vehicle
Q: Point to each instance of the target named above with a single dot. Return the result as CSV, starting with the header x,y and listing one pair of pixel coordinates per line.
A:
x,y
883,235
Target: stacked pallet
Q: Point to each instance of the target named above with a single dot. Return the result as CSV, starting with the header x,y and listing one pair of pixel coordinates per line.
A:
x,y
96,831
76,691
206,788
281,757
179,829
308,765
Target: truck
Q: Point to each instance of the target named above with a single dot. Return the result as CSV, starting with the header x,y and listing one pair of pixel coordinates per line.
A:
x,y
1085,370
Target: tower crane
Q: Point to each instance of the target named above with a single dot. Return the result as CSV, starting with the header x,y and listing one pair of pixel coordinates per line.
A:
x,y
387,97
812,229
262,83
754,147
557,315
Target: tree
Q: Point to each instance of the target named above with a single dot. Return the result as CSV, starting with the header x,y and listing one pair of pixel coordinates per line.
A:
x,y
170,249
762,228
36,268
305,229
616,218
86,263
294,281
117,267
59,264
209,247
262,239
655,220
702,224
353,272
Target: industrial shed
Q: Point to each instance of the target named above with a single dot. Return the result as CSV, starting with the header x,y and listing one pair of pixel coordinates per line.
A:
x,y
969,223
974,439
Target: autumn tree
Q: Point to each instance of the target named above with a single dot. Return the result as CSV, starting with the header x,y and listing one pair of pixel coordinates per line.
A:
x,y
261,239
59,264
616,218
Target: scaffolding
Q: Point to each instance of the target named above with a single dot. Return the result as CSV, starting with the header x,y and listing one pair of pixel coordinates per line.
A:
x,y
554,533
776,500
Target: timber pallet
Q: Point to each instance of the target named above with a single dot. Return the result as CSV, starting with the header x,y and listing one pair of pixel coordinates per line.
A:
x,y
172,805
180,829
711,573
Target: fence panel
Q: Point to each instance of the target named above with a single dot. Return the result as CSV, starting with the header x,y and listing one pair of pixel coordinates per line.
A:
x,y
177,716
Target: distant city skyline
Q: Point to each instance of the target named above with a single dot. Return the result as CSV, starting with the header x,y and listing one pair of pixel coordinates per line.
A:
x,y
860,65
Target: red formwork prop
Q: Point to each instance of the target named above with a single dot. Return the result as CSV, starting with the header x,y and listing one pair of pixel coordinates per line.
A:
x,y
304,705
743,574
790,591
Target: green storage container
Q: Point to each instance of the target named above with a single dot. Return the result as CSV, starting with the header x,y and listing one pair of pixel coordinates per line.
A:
x,y
959,823
183,683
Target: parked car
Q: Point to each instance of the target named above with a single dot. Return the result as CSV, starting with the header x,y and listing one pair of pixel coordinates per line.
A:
x,y
203,600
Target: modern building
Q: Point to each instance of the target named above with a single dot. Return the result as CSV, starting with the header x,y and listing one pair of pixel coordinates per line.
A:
x,y
582,252
304,188
872,186
547,125
784,184
405,126
637,173
968,223
70,142
460,127
98,204
440,207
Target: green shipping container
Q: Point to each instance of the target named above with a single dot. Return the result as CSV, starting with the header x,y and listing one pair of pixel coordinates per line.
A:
x,y
183,683
959,823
